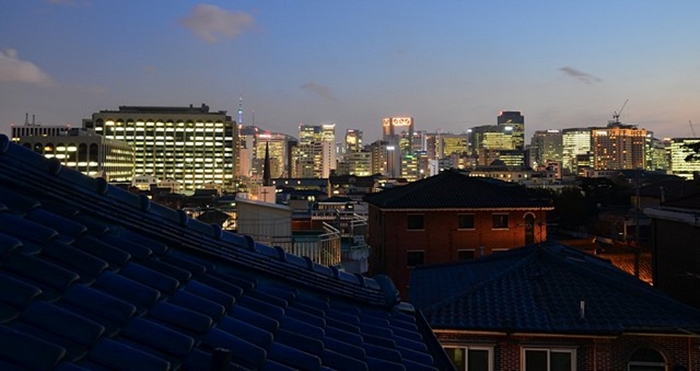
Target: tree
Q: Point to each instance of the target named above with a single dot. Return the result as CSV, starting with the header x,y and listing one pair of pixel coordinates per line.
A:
x,y
695,155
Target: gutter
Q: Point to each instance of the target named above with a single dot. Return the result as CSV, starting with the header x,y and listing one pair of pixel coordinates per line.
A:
x,y
675,216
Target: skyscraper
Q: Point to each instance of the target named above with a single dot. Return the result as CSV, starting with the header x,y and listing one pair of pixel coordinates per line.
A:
x,y
618,147
545,145
315,155
575,142
353,140
513,122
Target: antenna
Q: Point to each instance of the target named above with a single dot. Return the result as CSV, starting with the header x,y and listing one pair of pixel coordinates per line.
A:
x,y
240,110
616,114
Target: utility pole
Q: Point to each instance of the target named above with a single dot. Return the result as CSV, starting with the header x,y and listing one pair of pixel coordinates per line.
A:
x,y
637,246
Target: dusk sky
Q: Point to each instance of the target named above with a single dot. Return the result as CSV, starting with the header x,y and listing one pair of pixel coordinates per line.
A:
x,y
449,64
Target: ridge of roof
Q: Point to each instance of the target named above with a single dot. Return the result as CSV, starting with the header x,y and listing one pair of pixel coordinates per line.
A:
x,y
550,281
453,190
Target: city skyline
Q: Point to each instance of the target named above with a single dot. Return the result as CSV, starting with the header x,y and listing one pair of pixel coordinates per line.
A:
x,y
451,66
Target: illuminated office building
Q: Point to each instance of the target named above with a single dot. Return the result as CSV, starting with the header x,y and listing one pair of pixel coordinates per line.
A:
x,y
353,140
575,142
190,145
79,149
513,122
679,153
545,145
399,131
618,147
315,155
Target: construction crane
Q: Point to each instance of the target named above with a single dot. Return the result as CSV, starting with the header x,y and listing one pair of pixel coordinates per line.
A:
x,y
616,114
692,130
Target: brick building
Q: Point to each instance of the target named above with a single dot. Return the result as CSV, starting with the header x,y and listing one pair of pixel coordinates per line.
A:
x,y
449,217
552,307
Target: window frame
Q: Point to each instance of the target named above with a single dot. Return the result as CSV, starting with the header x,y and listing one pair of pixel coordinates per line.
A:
x,y
473,223
408,222
467,348
408,252
493,220
550,350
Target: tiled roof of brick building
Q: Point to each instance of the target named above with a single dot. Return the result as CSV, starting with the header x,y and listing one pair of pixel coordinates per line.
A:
x,y
453,190
547,288
94,277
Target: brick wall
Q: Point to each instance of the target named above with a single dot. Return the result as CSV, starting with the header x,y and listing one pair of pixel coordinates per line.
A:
x,y
441,239
601,354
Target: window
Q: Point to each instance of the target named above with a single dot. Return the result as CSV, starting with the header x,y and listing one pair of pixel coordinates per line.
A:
x,y
465,221
500,221
415,222
477,358
550,360
646,359
465,254
414,257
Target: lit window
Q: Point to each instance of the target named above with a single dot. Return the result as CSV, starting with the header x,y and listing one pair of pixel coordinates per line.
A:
x,y
415,222
550,359
477,358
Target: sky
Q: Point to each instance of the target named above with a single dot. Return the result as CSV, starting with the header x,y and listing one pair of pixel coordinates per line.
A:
x,y
451,65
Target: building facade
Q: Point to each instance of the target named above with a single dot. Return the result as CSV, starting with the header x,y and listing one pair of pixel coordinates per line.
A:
x,y
190,145
545,145
575,142
80,149
446,218
315,156
679,152
618,147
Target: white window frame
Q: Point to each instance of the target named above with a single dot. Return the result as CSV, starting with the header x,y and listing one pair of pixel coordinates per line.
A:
x,y
549,351
467,348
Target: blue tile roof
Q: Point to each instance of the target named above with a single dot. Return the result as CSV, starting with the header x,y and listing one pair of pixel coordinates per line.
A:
x,y
94,277
539,289
453,190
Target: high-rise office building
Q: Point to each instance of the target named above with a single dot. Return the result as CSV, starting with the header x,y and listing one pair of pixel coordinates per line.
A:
x,y
353,140
575,142
315,155
679,154
514,123
545,146
190,145
399,131
80,149
449,144
618,147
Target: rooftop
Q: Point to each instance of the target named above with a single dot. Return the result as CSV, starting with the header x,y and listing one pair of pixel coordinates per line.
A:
x,y
547,288
453,190
92,276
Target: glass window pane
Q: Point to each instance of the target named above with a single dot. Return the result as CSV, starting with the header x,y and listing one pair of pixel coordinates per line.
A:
x,y
457,357
478,360
560,361
535,360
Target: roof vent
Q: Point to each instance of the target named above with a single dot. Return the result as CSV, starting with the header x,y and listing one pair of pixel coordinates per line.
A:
x,y
582,309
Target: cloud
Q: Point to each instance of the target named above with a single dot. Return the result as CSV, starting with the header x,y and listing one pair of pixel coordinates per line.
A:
x,y
580,75
318,89
13,69
210,23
